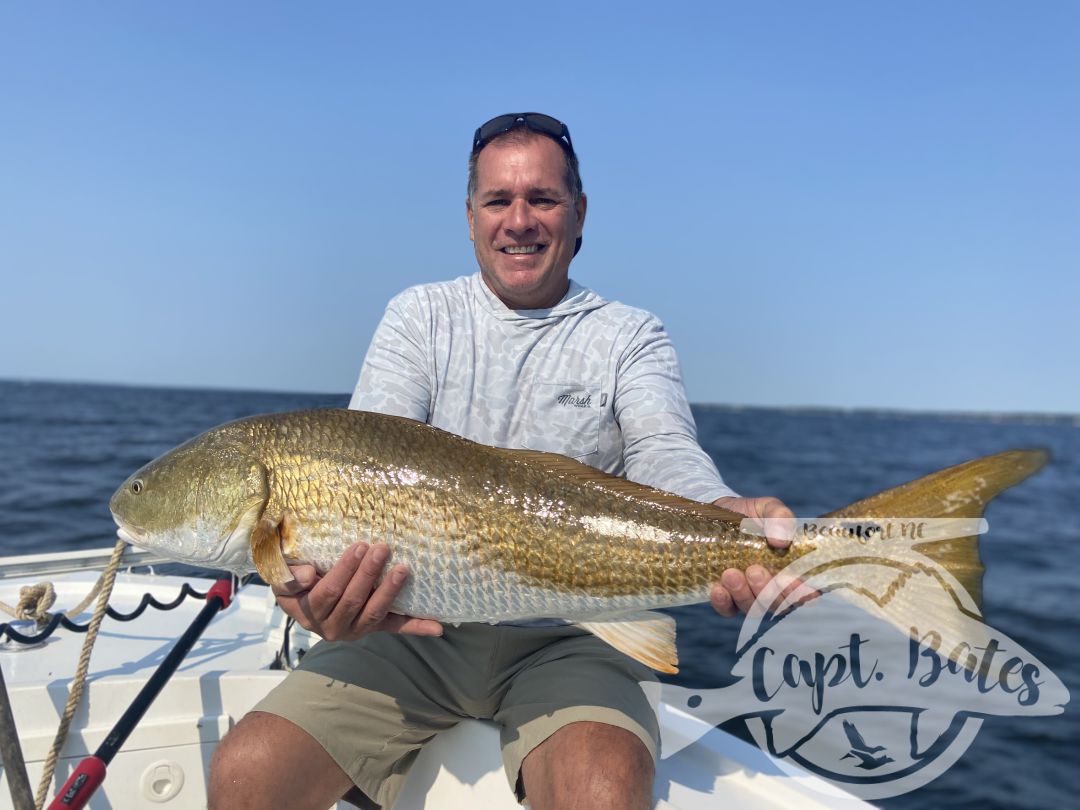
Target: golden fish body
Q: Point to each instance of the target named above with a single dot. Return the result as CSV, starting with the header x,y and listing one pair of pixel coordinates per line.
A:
x,y
488,534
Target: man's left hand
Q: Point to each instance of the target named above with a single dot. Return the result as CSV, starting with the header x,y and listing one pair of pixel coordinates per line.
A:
x,y
736,589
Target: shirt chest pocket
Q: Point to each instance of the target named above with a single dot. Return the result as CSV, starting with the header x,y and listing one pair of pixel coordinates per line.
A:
x,y
564,418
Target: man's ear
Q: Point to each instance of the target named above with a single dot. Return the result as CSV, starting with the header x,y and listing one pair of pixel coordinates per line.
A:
x,y
469,216
582,204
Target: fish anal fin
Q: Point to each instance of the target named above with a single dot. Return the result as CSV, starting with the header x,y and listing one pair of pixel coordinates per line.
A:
x,y
266,540
554,464
647,637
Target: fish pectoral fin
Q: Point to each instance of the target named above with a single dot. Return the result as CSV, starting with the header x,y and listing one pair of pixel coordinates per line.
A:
x,y
266,553
647,637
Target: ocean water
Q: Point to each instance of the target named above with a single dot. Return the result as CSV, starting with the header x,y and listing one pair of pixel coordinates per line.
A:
x,y
65,448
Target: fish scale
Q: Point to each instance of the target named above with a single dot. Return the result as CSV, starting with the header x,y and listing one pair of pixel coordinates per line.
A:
x,y
445,514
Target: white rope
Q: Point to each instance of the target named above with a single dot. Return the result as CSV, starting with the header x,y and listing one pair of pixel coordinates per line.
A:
x,y
34,603
104,588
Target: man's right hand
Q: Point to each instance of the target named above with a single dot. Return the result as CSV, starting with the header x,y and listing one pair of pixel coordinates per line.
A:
x,y
344,604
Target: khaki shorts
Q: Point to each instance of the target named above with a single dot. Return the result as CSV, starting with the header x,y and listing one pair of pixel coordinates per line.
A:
x,y
373,703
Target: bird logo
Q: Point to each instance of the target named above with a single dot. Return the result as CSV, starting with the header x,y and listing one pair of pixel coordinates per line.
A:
x,y
864,752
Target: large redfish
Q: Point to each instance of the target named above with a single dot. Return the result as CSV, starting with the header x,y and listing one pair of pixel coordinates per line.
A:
x,y
488,534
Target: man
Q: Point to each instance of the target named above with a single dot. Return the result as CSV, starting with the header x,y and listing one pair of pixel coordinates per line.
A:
x,y
517,356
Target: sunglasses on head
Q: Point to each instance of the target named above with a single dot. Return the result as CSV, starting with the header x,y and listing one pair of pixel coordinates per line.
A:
x,y
537,122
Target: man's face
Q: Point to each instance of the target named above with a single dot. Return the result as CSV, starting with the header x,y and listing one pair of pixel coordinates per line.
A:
x,y
523,221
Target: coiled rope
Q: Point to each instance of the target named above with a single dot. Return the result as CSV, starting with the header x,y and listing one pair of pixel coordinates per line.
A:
x,y
35,601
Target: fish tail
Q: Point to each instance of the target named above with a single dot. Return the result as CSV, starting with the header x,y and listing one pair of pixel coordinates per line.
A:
x,y
962,491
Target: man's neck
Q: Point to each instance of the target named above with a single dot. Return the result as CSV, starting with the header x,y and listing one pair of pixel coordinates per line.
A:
x,y
538,302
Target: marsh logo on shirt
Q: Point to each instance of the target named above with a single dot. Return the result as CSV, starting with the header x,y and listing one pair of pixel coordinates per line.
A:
x,y
575,399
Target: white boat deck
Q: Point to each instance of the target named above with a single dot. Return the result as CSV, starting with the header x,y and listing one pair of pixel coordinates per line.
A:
x,y
164,761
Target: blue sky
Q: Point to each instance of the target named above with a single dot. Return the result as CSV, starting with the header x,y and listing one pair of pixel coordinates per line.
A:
x,y
842,204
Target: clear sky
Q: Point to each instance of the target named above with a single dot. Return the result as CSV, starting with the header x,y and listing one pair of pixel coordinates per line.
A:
x,y
829,203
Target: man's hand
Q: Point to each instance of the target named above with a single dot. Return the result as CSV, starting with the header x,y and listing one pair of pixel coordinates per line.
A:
x,y
737,590
341,605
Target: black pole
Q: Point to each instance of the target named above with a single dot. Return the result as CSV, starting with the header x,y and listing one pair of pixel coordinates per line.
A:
x,y
130,718
11,754
90,773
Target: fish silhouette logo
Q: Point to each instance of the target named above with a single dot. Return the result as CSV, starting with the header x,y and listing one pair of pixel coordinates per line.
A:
x,y
869,665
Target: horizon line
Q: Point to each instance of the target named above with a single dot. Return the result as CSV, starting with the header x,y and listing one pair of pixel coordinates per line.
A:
x,y
892,410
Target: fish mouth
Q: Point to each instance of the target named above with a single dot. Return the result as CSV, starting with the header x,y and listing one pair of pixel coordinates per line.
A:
x,y
128,533
131,536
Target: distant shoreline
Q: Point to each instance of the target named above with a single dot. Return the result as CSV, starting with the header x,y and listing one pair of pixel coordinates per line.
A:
x,y
1029,417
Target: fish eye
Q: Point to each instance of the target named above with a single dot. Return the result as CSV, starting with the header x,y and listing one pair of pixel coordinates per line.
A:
x,y
137,486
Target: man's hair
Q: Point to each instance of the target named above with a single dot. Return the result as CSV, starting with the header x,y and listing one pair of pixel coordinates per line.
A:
x,y
520,133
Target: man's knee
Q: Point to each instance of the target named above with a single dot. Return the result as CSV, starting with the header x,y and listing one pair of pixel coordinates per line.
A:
x,y
243,755
592,765
266,759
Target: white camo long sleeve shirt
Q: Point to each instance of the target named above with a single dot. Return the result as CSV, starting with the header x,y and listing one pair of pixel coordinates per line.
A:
x,y
589,378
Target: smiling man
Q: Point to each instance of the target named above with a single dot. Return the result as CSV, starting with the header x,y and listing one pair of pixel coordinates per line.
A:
x,y
520,356
526,212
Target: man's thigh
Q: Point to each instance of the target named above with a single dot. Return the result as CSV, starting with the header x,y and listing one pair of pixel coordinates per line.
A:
x,y
371,705
576,679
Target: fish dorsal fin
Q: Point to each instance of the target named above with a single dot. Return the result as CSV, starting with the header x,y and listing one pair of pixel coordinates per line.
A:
x,y
647,637
561,466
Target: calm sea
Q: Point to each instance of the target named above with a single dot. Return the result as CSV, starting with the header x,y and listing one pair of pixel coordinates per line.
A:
x,y
65,448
